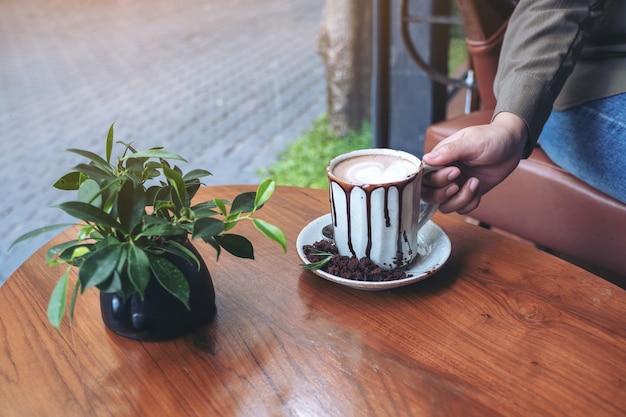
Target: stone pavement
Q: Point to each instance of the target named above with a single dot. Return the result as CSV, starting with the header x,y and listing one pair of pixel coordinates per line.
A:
x,y
227,84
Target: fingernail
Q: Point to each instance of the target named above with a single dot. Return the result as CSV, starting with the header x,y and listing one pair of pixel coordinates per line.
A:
x,y
431,155
452,190
454,174
473,185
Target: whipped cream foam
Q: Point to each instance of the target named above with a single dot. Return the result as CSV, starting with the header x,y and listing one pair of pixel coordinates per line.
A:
x,y
374,169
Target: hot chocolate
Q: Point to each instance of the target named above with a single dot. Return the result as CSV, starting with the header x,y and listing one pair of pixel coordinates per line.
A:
x,y
374,203
374,169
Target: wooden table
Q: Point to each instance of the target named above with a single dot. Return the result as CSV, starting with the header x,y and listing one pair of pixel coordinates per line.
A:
x,y
501,330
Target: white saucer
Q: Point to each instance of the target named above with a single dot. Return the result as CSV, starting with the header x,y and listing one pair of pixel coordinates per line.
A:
x,y
433,247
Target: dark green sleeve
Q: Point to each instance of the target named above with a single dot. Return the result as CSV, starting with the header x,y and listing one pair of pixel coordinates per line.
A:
x,y
542,43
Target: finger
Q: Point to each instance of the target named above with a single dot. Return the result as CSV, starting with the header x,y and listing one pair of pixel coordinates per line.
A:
x,y
441,177
465,200
471,206
457,147
439,195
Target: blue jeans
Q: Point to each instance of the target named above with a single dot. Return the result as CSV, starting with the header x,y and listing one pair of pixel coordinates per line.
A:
x,y
589,141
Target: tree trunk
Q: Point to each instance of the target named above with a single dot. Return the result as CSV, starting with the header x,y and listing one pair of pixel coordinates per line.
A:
x,y
345,45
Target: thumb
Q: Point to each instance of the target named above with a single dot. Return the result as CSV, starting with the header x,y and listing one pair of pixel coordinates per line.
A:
x,y
450,150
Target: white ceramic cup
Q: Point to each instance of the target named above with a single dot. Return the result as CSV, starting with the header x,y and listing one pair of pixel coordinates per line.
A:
x,y
375,205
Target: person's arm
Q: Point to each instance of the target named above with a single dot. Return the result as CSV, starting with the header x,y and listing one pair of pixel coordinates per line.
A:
x,y
542,43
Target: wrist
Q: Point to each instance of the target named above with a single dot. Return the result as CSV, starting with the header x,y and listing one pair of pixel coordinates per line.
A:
x,y
517,131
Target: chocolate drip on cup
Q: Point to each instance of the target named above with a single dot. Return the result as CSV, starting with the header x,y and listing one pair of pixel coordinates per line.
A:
x,y
348,188
367,220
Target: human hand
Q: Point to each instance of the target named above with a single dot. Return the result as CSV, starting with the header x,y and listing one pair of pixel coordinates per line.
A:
x,y
477,159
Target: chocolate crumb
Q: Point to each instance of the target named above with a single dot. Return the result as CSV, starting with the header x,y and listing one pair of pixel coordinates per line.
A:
x,y
349,267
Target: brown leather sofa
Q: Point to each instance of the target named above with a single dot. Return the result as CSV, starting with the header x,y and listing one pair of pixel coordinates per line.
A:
x,y
539,201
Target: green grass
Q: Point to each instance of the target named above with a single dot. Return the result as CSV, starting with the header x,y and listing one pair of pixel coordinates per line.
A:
x,y
457,54
304,162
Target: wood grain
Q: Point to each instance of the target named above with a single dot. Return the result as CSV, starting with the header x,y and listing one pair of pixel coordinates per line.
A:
x,y
501,330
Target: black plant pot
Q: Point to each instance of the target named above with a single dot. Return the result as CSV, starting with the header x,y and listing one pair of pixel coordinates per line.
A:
x,y
161,316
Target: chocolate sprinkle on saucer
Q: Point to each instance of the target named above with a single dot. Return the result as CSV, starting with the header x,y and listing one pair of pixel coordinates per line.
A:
x,y
349,267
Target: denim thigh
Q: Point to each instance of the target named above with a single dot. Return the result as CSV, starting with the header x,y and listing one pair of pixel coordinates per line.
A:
x,y
589,141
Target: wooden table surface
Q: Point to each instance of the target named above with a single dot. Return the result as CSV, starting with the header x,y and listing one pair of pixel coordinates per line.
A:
x,y
501,330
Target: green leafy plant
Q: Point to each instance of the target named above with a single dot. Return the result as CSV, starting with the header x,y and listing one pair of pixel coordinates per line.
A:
x,y
135,209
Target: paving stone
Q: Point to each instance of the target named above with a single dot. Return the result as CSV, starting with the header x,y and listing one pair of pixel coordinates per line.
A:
x,y
227,84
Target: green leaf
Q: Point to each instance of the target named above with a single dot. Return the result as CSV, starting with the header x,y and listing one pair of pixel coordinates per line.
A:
x,y
110,191
136,167
207,227
163,208
150,171
150,220
232,219
138,267
127,147
100,265
151,194
170,278
204,209
165,229
271,231
89,192
244,202
109,143
58,299
113,284
205,205
89,213
180,251
155,153
211,241
192,187
69,181
85,232
118,280
196,174
94,172
325,257
40,231
221,206
95,158
75,254
264,192
61,247
131,205
236,245
176,181
164,193
73,299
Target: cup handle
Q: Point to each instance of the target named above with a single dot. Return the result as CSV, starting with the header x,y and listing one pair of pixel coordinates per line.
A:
x,y
430,208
